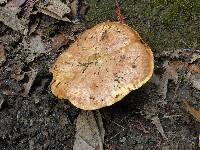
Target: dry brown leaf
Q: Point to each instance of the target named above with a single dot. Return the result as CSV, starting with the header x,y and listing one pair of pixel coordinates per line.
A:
x,y
34,26
55,9
2,54
31,78
187,55
59,40
194,69
35,46
74,8
90,131
156,122
9,16
83,9
195,82
193,75
29,7
195,113
171,73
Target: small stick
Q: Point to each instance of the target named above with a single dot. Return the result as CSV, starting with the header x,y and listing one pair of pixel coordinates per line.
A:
x,y
118,12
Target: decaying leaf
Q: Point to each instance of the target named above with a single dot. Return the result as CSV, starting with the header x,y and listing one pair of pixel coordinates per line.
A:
x,y
31,78
29,7
35,46
171,73
55,9
194,75
59,40
90,131
156,122
9,16
2,54
34,26
74,8
180,64
83,9
195,113
187,55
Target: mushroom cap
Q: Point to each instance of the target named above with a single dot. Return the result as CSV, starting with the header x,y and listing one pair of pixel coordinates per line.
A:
x,y
102,66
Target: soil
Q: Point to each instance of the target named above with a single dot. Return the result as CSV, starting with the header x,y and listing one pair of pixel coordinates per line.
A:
x,y
38,120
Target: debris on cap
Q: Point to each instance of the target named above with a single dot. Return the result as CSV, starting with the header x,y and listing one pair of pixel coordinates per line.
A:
x,y
102,66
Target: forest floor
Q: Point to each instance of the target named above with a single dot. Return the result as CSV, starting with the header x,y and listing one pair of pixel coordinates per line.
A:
x,y
156,116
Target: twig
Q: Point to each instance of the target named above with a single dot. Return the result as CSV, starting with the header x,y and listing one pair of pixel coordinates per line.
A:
x,y
120,17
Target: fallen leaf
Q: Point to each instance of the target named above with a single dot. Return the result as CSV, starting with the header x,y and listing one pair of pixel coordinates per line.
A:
x,y
10,36
18,73
171,73
195,82
89,131
193,75
35,46
33,26
2,54
194,69
29,7
195,113
186,55
74,8
83,9
59,40
9,16
31,78
156,122
55,9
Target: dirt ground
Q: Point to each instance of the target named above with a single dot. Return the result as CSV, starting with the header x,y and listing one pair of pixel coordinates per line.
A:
x,y
150,118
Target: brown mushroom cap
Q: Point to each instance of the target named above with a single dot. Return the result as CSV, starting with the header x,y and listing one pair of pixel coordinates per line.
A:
x,y
102,66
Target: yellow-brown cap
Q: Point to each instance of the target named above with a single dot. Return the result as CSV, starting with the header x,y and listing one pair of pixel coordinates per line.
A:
x,y
102,66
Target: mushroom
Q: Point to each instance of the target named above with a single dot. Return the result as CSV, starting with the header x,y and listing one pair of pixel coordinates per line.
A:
x,y
102,66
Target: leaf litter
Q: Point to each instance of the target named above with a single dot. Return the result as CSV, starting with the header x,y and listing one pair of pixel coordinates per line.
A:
x,y
55,9
181,64
89,131
156,122
195,113
172,69
2,54
9,16
59,40
31,78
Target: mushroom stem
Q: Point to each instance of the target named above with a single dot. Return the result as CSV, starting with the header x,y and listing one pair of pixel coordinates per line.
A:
x,y
118,12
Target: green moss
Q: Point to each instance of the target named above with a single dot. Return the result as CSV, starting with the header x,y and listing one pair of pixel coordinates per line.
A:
x,y
100,11
164,24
